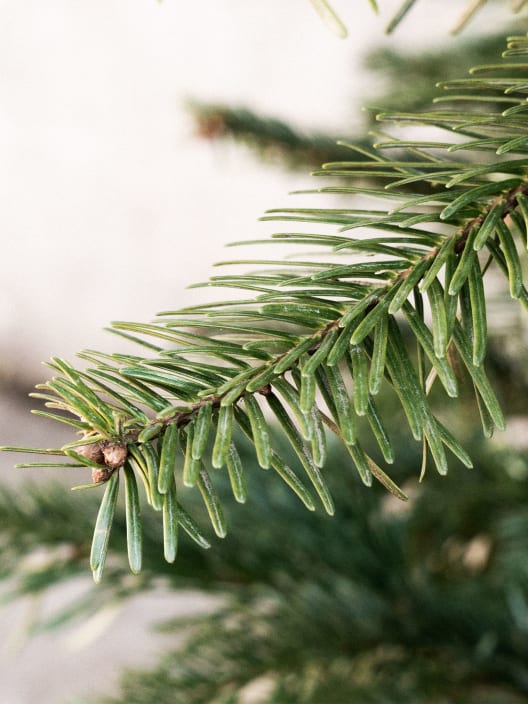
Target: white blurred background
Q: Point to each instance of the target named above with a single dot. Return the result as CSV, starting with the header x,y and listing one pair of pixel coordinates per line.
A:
x,y
110,206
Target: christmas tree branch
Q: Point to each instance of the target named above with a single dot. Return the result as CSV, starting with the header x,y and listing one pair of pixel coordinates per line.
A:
x,y
318,338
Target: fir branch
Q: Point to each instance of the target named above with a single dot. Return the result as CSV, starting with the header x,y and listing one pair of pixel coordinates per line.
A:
x,y
336,25
319,622
412,80
323,336
272,139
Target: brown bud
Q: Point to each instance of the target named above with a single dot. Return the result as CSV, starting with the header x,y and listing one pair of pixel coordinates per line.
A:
x,y
115,454
210,126
92,452
265,390
101,475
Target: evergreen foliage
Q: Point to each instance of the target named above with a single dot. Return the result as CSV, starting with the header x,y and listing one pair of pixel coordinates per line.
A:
x,y
410,80
272,139
378,604
420,602
317,339
335,23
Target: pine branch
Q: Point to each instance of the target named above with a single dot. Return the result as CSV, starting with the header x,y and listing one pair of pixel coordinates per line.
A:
x,y
428,604
429,600
272,139
411,80
336,25
318,338
411,77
